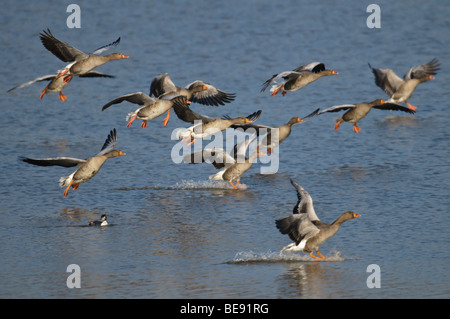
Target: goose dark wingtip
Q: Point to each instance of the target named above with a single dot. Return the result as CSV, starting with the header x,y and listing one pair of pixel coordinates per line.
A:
x,y
111,139
22,158
293,182
311,115
255,115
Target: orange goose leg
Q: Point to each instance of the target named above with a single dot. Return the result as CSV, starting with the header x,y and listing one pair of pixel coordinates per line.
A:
x,y
166,119
68,78
75,186
43,93
411,107
239,183
62,97
231,182
187,139
276,91
321,257
61,74
144,124
356,129
338,124
132,119
66,191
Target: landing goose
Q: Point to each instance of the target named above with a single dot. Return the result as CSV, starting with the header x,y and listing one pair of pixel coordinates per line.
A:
x,y
305,229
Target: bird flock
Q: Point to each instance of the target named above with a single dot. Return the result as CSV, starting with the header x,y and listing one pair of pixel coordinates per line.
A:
x,y
303,227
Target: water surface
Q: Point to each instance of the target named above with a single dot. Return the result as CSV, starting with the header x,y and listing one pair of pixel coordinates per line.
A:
x,y
176,234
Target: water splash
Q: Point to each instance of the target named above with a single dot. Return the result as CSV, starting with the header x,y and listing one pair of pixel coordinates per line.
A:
x,y
189,184
279,257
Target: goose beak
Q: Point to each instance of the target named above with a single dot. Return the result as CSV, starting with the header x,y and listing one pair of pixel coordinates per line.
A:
x,y
125,56
356,215
431,77
334,72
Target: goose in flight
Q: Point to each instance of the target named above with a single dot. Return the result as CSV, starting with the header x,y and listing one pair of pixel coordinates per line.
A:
x,y
358,111
400,90
87,168
298,78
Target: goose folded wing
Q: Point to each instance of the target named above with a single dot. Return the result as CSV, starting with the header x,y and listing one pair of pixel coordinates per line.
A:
x,y
216,156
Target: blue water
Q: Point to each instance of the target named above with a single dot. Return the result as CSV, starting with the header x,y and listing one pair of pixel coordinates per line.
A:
x,y
174,233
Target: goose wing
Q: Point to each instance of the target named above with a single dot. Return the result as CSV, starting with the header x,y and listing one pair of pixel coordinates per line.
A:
x,y
337,108
136,98
305,203
311,115
162,84
315,67
239,152
394,107
39,79
300,225
286,75
106,47
186,114
110,143
95,74
56,161
419,71
61,50
297,227
387,80
218,157
49,77
211,96
252,117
